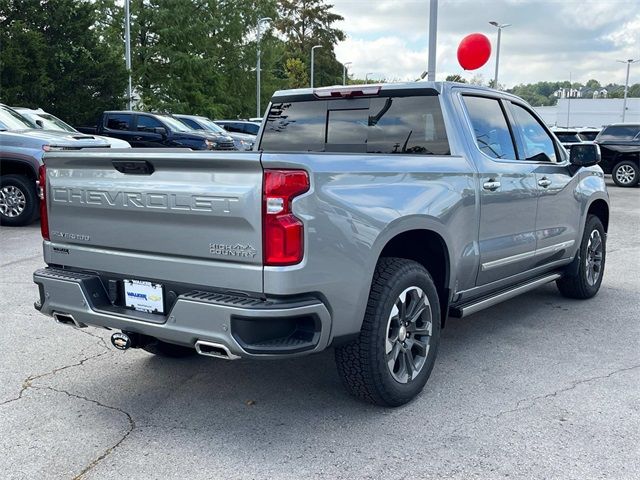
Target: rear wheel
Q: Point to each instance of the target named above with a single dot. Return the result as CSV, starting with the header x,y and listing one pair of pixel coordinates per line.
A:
x,y
18,200
588,266
626,174
392,359
164,349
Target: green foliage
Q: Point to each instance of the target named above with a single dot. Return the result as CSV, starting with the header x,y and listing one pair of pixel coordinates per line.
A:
x,y
52,57
455,78
296,73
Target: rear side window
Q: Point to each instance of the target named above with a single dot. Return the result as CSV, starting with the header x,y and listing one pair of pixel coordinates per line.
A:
x,y
490,127
619,132
250,128
402,125
118,121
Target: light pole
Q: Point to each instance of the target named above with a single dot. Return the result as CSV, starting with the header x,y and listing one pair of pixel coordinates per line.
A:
x,y
312,60
626,85
366,77
499,27
433,33
260,22
344,72
127,49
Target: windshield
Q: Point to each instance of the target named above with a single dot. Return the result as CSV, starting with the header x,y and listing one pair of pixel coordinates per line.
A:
x,y
213,126
176,125
568,137
49,122
588,136
12,120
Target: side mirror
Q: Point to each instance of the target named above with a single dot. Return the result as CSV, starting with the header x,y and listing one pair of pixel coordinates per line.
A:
x,y
584,154
160,130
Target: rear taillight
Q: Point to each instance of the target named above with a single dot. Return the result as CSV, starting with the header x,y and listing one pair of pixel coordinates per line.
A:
x,y
282,231
42,193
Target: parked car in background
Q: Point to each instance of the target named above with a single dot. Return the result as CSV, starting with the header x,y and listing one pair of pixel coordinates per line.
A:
x,y
242,141
567,136
256,119
47,121
588,134
150,130
620,147
22,145
239,126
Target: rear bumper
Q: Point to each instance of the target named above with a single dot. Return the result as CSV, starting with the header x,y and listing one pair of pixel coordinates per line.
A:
x,y
247,327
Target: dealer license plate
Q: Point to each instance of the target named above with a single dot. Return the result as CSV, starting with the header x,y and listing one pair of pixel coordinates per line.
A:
x,y
143,296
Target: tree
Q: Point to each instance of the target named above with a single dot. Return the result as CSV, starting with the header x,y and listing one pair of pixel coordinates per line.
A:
x,y
296,73
593,84
455,78
52,57
305,23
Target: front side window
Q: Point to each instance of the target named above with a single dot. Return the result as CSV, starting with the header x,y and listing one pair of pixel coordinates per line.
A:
x,y
387,125
538,145
118,121
490,127
189,122
147,123
568,137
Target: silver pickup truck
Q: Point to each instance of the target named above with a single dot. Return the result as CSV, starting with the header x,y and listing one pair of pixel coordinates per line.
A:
x,y
362,219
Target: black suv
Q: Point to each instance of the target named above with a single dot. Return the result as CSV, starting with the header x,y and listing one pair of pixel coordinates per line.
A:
x,y
620,147
149,130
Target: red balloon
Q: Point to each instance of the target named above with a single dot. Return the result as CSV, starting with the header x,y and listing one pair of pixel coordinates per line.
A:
x,y
474,51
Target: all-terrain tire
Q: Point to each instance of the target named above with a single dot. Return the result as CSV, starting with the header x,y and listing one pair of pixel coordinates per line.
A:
x,y
363,363
576,283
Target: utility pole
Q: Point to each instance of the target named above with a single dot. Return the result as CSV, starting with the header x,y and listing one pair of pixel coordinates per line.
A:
x,y
366,77
127,48
313,60
499,27
344,72
433,34
260,22
626,86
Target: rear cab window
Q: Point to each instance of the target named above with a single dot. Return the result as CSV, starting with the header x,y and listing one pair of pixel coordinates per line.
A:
x,y
389,123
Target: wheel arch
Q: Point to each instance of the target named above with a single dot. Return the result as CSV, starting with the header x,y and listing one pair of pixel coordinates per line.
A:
x,y
600,208
428,248
15,166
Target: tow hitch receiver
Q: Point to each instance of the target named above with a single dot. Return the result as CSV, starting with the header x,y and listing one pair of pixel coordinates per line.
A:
x,y
121,341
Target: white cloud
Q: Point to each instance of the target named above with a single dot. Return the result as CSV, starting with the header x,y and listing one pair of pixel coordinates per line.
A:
x,y
548,39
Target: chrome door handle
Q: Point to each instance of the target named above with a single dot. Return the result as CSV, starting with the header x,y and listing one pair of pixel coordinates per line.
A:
x,y
491,185
137,138
544,182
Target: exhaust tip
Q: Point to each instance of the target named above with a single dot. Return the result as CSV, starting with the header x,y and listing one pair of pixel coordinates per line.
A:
x,y
67,319
217,350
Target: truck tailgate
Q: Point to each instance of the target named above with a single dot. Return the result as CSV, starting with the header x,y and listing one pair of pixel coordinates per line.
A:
x,y
190,217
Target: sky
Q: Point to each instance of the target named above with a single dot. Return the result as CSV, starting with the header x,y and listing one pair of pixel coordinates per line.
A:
x,y
547,41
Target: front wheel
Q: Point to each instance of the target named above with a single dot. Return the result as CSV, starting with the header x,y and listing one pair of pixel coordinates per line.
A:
x,y
626,174
587,268
392,359
18,200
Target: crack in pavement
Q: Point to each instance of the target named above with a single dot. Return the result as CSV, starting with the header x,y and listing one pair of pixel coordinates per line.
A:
x,y
27,382
14,262
107,452
532,400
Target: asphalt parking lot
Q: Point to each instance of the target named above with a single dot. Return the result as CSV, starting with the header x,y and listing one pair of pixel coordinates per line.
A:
x,y
537,387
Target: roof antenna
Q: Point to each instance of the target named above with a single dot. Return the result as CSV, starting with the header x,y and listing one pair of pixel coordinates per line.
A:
x,y
422,75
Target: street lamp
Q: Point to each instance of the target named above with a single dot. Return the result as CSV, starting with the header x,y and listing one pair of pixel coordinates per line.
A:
x,y
312,60
260,23
499,27
366,77
344,72
127,49
626,85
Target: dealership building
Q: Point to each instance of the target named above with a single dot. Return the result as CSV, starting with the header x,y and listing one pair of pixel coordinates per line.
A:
x,y
589,112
